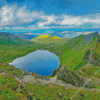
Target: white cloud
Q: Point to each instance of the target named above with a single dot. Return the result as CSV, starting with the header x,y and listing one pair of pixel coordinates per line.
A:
x,y
47,20
64,32
32,33
49,32
12,15
66,35
15,28
70,21
86,33
78,33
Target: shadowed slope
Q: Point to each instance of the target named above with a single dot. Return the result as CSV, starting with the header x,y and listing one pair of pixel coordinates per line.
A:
x,y
7,38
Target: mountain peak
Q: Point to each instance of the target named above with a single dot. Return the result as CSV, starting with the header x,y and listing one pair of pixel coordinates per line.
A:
x,y
43,36
56,37
96,34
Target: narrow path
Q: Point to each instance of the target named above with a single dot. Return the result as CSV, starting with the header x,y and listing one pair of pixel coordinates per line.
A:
x,y
88,65
86,82
76,93
26,79
91,59
54,80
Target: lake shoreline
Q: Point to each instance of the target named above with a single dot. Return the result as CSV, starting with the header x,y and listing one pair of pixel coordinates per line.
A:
x,y
45,59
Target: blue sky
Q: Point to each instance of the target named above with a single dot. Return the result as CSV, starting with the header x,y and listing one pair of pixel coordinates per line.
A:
x,y
49,16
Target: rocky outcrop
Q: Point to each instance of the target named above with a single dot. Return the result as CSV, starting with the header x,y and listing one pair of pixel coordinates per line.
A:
x,y
69,76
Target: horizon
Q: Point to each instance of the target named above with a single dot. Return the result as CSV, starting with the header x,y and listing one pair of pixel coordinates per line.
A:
x,y
52,17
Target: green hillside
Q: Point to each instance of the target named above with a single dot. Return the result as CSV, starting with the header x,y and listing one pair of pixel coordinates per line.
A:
x,y
46,39
72,53
77,77
7,38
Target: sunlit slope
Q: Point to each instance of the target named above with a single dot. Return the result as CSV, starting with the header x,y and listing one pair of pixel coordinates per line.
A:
x,y
97,51
46,39
74,53
76,81
16,84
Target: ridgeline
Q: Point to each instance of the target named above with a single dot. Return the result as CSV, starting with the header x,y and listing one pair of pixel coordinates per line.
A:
x,y
77,77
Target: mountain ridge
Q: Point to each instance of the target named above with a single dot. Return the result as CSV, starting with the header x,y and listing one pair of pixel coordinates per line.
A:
x,y
78,76
8,38
27,36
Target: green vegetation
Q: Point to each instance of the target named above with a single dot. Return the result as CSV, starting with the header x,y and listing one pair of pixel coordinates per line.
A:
x,y
8,39
97,52
9,82
70,53
69,76
11,70
50,92
47,39
89,71
8,86
73,54
88,95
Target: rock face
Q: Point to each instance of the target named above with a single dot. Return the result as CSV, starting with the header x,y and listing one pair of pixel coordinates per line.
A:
x,y
69,76
88,83
1,71
72,77
88,38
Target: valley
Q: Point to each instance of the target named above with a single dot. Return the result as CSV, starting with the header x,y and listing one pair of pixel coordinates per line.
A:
x,y
77,77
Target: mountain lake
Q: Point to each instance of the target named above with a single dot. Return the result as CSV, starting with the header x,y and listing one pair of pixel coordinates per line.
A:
x,y
41,62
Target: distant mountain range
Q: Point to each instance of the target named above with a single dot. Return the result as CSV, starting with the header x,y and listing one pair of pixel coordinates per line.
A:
x,y
8,38
64,34
27,36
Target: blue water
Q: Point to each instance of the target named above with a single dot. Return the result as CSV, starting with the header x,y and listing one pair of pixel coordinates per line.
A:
x,y
42,62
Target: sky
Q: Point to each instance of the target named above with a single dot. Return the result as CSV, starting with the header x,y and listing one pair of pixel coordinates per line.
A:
x,y
50,16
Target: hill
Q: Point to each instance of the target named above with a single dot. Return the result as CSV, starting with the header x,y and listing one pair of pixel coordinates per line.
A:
x,y
46,39
27,36
7,38
77,77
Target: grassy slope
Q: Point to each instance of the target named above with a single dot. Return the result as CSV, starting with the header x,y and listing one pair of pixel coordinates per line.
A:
x,y
10,52
46,39
97,51
8,39
72,51
8,86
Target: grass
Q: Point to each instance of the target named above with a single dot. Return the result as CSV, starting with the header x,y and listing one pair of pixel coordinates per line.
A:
x,y
87,95
8,86
97,52
9,82
89,71
70,53
50,91
73,53
48,39
11,70
70,76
